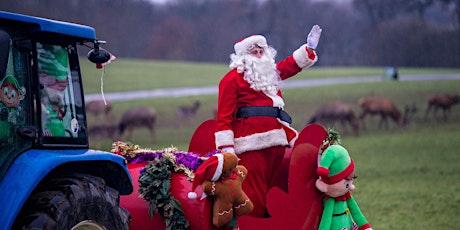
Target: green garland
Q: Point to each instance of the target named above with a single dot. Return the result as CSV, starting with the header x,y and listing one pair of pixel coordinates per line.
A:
x,y
333,136
154,186
155,178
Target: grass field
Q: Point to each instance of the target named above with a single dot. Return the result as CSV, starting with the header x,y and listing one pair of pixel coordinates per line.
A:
x,y
408,179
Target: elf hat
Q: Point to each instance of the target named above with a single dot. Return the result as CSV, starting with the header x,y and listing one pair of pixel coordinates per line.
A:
x,y
245,44
10,79
53,61
335,164
210,170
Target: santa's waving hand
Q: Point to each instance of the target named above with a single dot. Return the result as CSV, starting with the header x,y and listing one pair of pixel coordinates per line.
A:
x,y
313,37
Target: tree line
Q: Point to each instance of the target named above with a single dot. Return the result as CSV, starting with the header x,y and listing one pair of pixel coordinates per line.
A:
x,y
410,33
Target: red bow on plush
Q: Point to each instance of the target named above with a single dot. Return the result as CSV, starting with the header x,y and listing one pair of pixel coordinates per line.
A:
x,y
339,198
231,177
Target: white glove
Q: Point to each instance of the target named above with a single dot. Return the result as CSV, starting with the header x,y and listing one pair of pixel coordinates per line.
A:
x,y
313,37
228,149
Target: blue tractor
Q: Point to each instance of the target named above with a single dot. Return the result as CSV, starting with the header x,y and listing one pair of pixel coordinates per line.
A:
x,y
49,178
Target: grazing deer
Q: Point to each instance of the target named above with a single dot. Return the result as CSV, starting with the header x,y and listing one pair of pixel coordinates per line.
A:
x,y
336,111
384,107
188,111
441,101
140,117
99,107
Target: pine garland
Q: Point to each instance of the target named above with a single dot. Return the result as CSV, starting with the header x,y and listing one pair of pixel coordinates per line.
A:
x,y
155,178
154,185
333,136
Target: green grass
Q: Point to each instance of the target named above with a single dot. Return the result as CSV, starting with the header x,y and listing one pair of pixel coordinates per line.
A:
x,y
126,75
408,179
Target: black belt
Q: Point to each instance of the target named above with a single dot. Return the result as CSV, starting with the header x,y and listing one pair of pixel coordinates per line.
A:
x,y
268,111
343,213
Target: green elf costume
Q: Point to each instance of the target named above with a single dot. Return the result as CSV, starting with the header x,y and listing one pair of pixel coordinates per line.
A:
x,y
53,66
336,174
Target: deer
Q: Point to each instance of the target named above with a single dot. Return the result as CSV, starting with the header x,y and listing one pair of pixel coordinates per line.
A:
x,y
98,108
384,107
188,111
441,101
139,117
336,111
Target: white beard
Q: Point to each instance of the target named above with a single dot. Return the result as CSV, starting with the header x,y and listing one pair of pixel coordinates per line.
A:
x,y
260,73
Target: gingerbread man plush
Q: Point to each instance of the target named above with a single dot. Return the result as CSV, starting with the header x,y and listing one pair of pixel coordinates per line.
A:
x,y
221,177
337,172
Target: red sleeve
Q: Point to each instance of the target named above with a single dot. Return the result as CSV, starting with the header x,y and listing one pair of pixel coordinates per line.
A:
x,y
288,67
226,104
364,227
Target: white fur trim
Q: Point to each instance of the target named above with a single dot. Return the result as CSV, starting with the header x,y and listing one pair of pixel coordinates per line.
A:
x,y
291,143
203,196
192,195
260,141
220,167
243,45
224,138
302,59
277,100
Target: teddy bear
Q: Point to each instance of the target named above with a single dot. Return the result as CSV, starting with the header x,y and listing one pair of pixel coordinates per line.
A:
x,y
336,173
221,177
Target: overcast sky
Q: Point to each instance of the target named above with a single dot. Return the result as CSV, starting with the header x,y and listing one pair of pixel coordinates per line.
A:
x,y
164,1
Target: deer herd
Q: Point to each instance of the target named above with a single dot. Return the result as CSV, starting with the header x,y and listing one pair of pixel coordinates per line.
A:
x,y
327,115
142,117
385,108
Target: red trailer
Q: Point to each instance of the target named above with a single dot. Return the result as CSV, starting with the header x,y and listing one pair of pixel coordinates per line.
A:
x,y
294,203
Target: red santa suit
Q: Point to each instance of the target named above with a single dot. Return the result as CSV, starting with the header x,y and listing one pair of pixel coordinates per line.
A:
x,y
258,140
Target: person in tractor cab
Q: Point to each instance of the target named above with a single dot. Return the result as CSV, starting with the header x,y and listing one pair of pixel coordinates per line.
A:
x,y
251,121
53,74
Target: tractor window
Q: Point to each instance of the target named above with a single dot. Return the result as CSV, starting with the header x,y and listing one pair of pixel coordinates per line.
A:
x,y
61,102
11,96
15,110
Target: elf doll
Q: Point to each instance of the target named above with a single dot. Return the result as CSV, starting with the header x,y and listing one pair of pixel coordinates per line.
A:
x,y
336,174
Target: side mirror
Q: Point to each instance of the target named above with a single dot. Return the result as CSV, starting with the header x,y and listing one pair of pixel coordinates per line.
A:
x,y
4,51
98,55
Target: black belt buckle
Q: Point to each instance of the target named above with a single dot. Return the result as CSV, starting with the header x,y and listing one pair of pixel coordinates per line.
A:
x,y
251,111
284,116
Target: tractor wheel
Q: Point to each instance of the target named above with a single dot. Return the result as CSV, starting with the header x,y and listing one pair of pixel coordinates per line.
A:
x,y
73,202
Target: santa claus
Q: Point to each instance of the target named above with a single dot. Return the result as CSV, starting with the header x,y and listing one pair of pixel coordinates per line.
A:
x,y
251,121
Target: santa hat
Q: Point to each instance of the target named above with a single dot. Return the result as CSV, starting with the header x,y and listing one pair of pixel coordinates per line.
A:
x,y
243,45
210,170
335,164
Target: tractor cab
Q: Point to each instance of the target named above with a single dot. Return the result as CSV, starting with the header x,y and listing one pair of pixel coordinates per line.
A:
x,y
44,150
41,104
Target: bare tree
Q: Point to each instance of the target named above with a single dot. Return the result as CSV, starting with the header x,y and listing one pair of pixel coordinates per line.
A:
x,y
363,32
